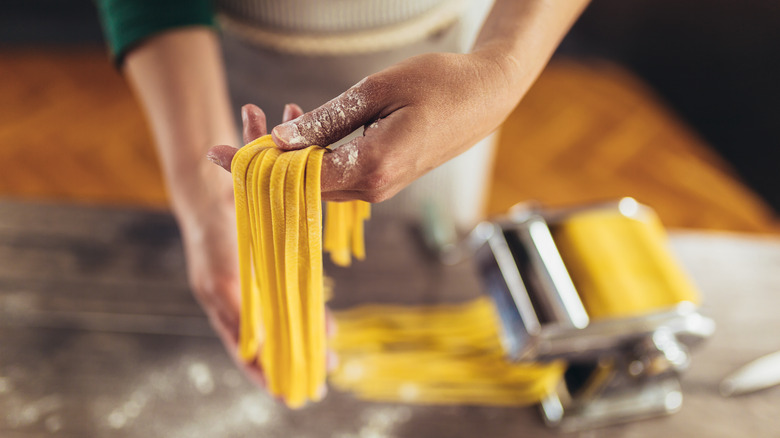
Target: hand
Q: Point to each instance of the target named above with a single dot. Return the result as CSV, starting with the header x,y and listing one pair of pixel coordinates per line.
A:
x,y
416,115
206,214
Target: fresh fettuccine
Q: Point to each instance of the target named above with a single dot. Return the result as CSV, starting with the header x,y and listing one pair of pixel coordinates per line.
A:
x,y
279,217
279,220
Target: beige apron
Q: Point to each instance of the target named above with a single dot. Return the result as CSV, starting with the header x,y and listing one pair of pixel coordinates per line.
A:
x,y
271,78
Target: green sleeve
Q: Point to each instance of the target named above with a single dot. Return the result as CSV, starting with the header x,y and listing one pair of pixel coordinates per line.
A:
x,y
128,22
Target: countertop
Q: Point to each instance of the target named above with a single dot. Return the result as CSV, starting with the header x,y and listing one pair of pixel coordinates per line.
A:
x,y
99,336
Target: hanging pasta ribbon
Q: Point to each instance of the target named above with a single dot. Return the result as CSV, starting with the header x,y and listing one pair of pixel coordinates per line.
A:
x,y
279,221
278,213
343,237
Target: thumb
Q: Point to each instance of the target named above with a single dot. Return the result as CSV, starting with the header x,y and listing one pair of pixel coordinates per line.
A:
x,y
332,121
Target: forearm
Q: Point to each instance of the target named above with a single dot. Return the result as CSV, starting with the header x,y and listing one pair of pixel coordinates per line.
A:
x,y
521,36
178,77
426,110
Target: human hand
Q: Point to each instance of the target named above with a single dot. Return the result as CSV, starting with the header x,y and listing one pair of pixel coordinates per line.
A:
x,y
416,115
205,211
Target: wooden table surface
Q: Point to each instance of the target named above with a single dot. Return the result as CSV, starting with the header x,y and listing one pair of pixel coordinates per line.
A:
x,y
99,336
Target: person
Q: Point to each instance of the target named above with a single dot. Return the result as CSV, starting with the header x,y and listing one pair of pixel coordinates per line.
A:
x,y
425,79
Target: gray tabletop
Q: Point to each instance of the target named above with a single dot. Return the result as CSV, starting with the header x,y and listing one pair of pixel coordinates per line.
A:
x,y
99,336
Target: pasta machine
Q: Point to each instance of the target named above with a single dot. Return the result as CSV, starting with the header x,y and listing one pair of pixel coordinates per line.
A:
x,y
607,298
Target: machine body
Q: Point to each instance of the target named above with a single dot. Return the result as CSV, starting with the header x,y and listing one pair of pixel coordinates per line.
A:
x,y
597,288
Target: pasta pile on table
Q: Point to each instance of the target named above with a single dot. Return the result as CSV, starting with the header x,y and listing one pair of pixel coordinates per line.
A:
x,y
438,354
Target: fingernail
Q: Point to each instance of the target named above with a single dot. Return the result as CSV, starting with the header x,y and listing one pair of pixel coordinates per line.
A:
x,y
288,132
287,113
214,159
244,114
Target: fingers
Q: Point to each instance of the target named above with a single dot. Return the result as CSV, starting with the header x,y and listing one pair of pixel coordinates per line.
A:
x,y
254,122
254,127
335,170
376,166
331,121
340,167
291,111
222,155
226,324
356,170
229,340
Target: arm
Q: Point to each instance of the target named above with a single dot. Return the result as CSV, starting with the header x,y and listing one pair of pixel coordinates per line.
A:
x,y
521,36
430,108
178,78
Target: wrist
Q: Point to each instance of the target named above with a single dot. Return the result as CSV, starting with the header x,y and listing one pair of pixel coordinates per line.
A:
x,y
520,37
505,77
198,190
503,60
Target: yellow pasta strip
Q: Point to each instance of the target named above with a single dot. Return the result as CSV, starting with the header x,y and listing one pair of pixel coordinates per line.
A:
x,y
278,224
340,252
344,231
358,246
330,228
316,309
255,313
248,341
269,361
279,215
306,294
298,383
365,209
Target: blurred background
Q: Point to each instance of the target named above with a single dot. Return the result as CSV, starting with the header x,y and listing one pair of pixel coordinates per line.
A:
x,y
674,103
